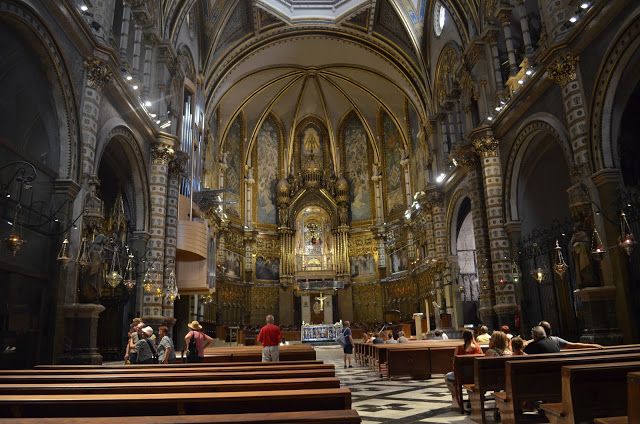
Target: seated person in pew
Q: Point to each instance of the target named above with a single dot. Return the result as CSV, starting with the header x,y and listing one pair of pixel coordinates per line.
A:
x,y
470,347
498,345
390,339
540,343
365,338
402,338
484,337
517,346
562,343
145,348
440,335
376,339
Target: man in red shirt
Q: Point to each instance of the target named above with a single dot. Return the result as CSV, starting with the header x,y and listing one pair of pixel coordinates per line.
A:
x,y
270,337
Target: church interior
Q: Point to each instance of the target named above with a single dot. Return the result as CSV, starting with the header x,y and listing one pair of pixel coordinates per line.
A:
x,y
399,164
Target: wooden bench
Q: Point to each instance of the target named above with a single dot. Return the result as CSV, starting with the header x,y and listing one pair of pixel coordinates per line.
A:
x,y
463,366
346,416
489,373
109,405
159,369
590,391
414,363
175,365
633,403
166,376
539,380
170,386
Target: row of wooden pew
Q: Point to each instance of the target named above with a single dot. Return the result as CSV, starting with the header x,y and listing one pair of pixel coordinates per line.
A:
x,y
303,391
254,353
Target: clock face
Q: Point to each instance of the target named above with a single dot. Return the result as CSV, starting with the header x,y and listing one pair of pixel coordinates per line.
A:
x,y
439,15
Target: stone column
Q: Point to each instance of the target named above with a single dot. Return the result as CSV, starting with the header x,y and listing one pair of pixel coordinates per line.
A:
x,y
436,200
376,177
162,153
124,32
469,160
406,171
248,202
524,24
81,328
491,37
431,243
504,16
564,71
135,62
97,75
148,41
488,148
555,18
176,171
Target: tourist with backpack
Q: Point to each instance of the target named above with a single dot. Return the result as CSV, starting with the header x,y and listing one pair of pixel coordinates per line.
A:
x,y
196,342
348,343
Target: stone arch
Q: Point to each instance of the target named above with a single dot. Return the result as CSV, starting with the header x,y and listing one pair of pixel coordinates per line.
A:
x,y
535,125
138,191
297,130
27,24
612,91
452,212
314,198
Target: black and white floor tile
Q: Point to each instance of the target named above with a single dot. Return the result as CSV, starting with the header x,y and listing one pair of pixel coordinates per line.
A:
x,y
399,401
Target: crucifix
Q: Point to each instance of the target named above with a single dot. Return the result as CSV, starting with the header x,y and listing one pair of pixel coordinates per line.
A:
x,y
321,299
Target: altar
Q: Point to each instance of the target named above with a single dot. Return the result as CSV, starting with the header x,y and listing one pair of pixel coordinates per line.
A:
x,y
320,333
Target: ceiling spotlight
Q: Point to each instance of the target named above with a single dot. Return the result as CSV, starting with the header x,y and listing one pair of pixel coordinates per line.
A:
x,y
84,7
489,118
520,82
129,77
135,87
498,108
158,122
153,115
147,103
440,178
529,72
573,19
584,5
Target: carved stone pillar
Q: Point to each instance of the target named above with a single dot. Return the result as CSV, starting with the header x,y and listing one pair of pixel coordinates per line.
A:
x,y
504,16
135,61
81,328
98,75
524,24
436,200
431,240
564,71
148,42
555,18
176,171
487,148
491,37
376,177
124,32
382,252
162,153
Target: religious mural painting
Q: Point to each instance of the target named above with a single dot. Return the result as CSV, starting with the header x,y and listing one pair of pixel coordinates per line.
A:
x,y
363,266
267,268
233,157
311,142
399,262
419,153
233,262
357,171
267,171
394,152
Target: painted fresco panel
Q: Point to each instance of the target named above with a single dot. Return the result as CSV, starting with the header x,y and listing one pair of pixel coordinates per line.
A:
x,y
393,149
357,169
267,172
311,141
267,269
399,261
233,156
419,154
363,266
232,263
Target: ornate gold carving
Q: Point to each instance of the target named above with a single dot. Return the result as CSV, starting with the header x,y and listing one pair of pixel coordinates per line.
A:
x,y
486,146
98,73
162,154
563,69
178,164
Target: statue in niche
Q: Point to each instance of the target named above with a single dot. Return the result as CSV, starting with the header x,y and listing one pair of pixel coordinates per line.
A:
x,y
282,216
90,287
580,246
343,215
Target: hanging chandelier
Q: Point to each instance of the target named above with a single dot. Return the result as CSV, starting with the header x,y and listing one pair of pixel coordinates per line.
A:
x,y
626,240
63,256
129,281
147,282
114,278
559,265
597,249
539,273
84,260
515,273
171,291
15,241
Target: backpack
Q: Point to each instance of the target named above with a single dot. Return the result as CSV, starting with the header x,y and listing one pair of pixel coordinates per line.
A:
x,y
193,347
154,352
341,339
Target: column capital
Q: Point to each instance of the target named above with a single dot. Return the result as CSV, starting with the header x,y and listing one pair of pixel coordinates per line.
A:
x,y
563,69
504,15
466,155
486,145
163,149
98,73
491,34
177,164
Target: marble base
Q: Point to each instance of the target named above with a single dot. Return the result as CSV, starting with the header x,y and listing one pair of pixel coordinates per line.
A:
x,y
81,334
506,313
600,321
487,316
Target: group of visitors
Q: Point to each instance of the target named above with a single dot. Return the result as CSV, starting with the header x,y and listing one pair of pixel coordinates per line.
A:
x,y
382,338
142,347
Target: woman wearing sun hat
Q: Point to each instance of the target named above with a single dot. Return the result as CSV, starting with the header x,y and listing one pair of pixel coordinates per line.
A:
x,y
202,341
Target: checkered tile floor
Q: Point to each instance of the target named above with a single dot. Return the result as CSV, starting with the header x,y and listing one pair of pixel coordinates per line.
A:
x,y
397,401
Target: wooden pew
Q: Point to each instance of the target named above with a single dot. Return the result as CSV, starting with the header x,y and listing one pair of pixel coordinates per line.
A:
x,y
159,369
633,403
590,391
414,363
166,376
176,365
345,416
173,403
170,386
489,373
254,353
463,365
539,380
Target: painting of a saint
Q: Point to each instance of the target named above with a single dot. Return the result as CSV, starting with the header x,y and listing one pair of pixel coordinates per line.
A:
x,y
363,266
311,142
399,261
419,153
357,171
267,171
233,150
393,149
267,269
232,264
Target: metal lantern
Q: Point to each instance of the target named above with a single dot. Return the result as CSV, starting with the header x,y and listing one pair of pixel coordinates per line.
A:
x,y
626,241
559,266
597,249
63,256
